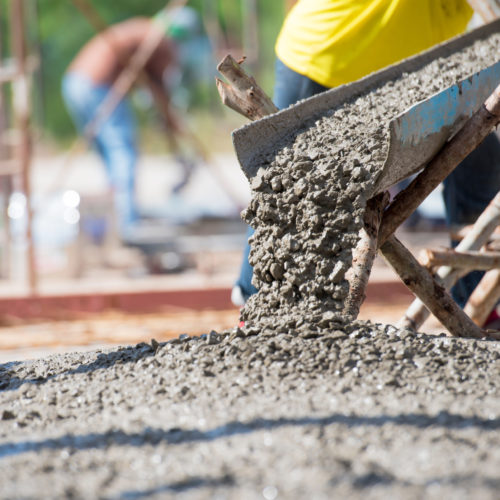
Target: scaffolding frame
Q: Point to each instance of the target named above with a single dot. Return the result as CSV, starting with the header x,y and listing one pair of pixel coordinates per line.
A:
x,y
16,153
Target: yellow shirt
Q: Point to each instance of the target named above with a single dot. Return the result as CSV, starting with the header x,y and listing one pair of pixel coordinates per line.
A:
x,y
339,41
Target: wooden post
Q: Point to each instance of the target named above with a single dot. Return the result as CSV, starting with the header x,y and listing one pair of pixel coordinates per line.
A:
x,y
363,255
464,142
484,298
477,261
242,94
473,240
420,281
21,107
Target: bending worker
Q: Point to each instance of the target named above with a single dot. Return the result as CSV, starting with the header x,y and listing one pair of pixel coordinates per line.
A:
x,y
88,81
326,43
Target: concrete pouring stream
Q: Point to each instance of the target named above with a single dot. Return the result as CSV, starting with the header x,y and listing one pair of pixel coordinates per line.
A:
x,y
299,403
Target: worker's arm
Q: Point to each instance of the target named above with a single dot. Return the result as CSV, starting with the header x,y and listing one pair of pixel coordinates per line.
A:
x,y
484,9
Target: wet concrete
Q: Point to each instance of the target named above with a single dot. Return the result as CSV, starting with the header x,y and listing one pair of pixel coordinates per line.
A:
x,y
364,412
298,404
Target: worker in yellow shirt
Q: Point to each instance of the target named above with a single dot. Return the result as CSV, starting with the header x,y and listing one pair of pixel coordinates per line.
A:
x,y
326,43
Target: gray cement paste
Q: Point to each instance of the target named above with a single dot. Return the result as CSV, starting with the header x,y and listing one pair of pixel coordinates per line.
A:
x,y
365,412
309,196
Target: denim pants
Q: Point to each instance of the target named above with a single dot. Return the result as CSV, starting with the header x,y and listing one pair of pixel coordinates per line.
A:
x,y
114,141
467,190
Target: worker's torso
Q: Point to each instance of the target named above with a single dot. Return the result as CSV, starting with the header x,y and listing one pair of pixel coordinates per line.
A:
x,y
105,56
338,41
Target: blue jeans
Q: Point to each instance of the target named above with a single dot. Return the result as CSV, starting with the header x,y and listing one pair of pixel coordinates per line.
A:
x,y
467,190
114,141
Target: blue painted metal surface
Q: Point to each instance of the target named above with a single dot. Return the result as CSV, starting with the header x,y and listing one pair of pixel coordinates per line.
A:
x,y
417,134
445,109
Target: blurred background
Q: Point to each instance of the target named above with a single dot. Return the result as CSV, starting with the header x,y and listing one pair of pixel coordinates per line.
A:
x,y
61,254
72,223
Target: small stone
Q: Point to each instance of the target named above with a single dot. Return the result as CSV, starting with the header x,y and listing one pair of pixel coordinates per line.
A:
x,y
213,338
276,271
338,272
276,185
8,415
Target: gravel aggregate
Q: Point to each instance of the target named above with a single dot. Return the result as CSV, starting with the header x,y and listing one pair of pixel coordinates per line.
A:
x,y
367,411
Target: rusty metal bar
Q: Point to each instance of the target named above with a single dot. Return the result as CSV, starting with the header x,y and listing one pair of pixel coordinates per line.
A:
x,y
21,107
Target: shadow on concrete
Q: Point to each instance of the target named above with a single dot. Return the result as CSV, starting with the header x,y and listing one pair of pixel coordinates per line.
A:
x,y
177,487
175,435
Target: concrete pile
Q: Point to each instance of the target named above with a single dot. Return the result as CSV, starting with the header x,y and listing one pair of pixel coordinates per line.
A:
x,y
363,412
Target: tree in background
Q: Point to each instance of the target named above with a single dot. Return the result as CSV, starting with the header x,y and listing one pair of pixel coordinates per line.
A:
x,y
235,26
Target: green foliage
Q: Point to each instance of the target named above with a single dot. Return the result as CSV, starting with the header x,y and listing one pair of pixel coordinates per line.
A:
x,y
62,31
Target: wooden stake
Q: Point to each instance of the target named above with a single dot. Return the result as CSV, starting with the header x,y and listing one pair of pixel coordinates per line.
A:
x,y
464,142
477,261
242,94
363,255
21,107
420,281
484,298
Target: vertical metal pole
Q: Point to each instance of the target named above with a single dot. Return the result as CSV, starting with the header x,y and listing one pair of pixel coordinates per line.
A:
x,y
21,103
4,181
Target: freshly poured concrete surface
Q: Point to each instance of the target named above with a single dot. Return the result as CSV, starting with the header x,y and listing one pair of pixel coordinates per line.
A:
x,y
362,412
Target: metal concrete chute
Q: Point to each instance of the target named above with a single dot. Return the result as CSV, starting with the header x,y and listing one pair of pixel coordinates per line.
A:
x,y
421,131
433,136
262,137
